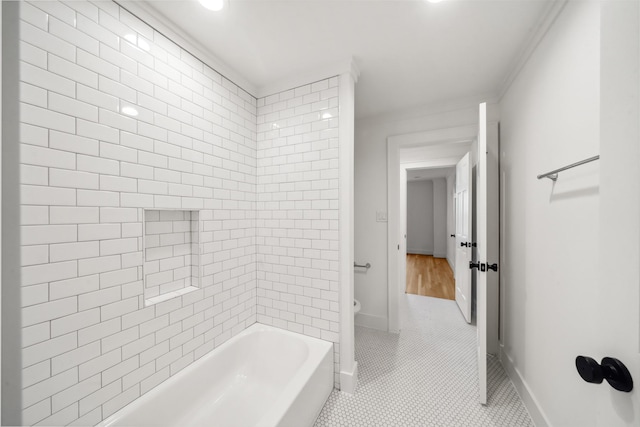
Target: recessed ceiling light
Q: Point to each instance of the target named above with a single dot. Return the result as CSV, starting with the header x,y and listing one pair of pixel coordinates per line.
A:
x,y
326,115
434,1
215,5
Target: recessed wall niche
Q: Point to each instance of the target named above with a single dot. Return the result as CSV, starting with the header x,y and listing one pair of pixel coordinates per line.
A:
x,y
171,254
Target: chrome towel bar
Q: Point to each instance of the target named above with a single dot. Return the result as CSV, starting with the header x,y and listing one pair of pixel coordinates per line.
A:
x,y
553,175
367,265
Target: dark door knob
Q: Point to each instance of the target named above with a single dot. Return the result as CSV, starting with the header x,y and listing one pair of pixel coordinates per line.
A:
x,y
610,369
452,235
465,244
589,369
473,265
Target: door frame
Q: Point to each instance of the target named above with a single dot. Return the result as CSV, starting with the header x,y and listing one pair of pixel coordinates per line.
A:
x,y
396,282
404,199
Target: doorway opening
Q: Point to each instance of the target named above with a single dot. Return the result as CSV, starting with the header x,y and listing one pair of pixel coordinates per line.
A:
x,y
475,249
430,223
432,150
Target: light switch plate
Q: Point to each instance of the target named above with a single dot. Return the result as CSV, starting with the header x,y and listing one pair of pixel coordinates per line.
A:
x,y
381,216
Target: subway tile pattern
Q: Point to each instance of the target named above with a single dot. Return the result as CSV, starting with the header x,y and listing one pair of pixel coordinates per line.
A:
x,y
424,376
297,212
115,119
171,252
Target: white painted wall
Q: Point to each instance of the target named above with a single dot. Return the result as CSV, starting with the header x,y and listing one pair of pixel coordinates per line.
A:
x,y
420,217
439,218
549,250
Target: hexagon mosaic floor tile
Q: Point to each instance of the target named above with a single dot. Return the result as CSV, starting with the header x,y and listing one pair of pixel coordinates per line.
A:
x,y
425,376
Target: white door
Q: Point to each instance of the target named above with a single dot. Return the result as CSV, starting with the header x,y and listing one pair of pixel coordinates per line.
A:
x,y
463,236
487,245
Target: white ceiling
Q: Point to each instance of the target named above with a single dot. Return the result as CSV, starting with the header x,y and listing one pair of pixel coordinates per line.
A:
x,y
410,53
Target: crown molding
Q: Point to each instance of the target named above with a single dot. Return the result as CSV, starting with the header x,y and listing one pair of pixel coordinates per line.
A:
x,y
548,17
345,66
147,13
430,109
435,137
150,15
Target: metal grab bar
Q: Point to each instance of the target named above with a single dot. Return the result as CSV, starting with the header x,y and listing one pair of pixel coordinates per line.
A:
x,y
553,175
367,265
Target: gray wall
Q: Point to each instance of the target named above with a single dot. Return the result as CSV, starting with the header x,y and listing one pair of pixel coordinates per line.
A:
x,y
427,217
420,217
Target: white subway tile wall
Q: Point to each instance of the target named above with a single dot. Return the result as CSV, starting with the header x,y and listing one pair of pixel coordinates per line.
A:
x,y
298,206
90,166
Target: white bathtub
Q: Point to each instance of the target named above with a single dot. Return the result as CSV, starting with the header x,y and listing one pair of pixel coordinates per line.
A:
x,y
262,377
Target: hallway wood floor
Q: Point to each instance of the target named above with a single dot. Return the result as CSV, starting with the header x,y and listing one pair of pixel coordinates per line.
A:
x,y
429,276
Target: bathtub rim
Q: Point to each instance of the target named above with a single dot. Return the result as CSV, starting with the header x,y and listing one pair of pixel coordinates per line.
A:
x,y
298,381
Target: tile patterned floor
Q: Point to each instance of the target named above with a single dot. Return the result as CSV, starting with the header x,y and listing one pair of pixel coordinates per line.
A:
x,y
424,376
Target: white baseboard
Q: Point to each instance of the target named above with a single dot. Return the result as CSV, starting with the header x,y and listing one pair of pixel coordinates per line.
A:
x,y
419,252
349,380
530,402
451,265
439,255
371,321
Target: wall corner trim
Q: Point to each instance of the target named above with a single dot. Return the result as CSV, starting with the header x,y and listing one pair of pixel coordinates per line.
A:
x,y
346,136
11,275
349,380
530,402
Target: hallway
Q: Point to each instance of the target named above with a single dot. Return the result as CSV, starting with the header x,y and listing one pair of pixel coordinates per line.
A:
x,y
424,376
429,276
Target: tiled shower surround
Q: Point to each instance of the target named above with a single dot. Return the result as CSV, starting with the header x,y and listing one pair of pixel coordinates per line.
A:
x,y
298,211
262,184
